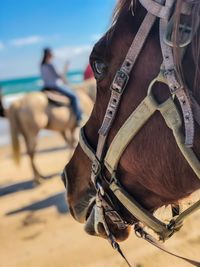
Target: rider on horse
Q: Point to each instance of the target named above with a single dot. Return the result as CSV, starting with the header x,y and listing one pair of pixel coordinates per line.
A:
x,y
51,81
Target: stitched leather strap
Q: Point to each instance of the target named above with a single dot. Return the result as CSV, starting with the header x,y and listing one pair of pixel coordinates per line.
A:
x,y
139,212
157,244
122,76
88,150
127,132
176,86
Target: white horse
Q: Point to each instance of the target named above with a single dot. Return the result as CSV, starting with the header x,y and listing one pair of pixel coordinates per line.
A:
x,y
33,112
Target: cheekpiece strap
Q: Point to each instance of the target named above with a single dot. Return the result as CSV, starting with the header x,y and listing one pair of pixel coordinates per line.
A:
x,y
121,79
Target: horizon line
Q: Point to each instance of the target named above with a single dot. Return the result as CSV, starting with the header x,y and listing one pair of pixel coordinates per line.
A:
x,y
32,76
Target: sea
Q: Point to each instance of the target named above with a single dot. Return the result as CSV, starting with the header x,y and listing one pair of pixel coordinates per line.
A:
x,y
15,88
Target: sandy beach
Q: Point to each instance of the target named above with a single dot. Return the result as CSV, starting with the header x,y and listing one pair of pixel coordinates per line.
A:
x,y
37,231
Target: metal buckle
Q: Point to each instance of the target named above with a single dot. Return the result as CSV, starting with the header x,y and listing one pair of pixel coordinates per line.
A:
x,y
120,81
173,83
96,170
100,188
171,225
185,34
139,232
96,167
116,218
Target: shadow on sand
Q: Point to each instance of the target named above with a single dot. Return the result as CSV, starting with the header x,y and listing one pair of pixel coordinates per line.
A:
x,y
44,151
57,200
13,188
22,186
52,149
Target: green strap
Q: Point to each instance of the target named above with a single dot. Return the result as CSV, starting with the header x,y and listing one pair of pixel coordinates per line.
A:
x,y
139,212
86,146
130,128
172,118
187,212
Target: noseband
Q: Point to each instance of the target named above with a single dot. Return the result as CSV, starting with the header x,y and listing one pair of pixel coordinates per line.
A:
x,y
164,11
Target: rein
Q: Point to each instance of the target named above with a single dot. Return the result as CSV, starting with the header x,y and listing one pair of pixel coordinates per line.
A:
x,y
162,10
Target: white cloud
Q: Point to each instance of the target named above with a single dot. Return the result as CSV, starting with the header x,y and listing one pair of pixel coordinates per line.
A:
x,y
71,51
29,40
77,56
2,46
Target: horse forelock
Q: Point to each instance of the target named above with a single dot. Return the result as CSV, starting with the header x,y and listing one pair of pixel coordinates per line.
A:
x,y
121,7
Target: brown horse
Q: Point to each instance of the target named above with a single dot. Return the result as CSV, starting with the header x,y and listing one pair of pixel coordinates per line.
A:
x,y
152,168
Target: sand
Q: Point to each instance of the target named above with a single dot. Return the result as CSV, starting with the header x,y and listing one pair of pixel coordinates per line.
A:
x,y
48,236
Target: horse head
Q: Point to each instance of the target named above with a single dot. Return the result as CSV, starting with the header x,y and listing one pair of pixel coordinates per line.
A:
x,y
151,168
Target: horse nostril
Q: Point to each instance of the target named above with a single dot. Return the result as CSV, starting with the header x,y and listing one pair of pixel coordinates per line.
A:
x,y
64,178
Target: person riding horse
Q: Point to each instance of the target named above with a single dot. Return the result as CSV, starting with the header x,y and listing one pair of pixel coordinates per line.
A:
x,y
51,79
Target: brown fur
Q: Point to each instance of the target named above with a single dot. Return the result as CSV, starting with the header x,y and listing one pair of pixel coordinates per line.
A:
x,y
152,168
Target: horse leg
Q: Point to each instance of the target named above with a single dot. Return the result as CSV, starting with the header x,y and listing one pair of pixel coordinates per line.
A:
x,y
70,140
65,137
31,142
69,137
37,176
73,138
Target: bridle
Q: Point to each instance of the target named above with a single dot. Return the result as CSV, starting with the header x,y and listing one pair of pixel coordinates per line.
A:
x,y
164,11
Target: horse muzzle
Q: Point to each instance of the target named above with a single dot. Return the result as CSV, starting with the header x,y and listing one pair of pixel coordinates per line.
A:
x,y
98,225
85,210
79,208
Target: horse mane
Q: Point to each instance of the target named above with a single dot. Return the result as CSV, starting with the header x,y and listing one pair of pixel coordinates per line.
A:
x,y
121,7
124,6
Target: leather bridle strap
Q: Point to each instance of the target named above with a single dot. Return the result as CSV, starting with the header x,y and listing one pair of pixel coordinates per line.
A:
x,y
117,88
176,85
122,76
88,150
157,244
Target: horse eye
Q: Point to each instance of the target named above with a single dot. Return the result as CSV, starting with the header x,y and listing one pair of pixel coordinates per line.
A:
x,y
99,68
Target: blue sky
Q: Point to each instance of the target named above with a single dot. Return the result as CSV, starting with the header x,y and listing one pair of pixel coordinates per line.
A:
x,y
70,27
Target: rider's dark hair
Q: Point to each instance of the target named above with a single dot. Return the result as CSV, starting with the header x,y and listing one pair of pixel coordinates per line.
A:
x,y
46,53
